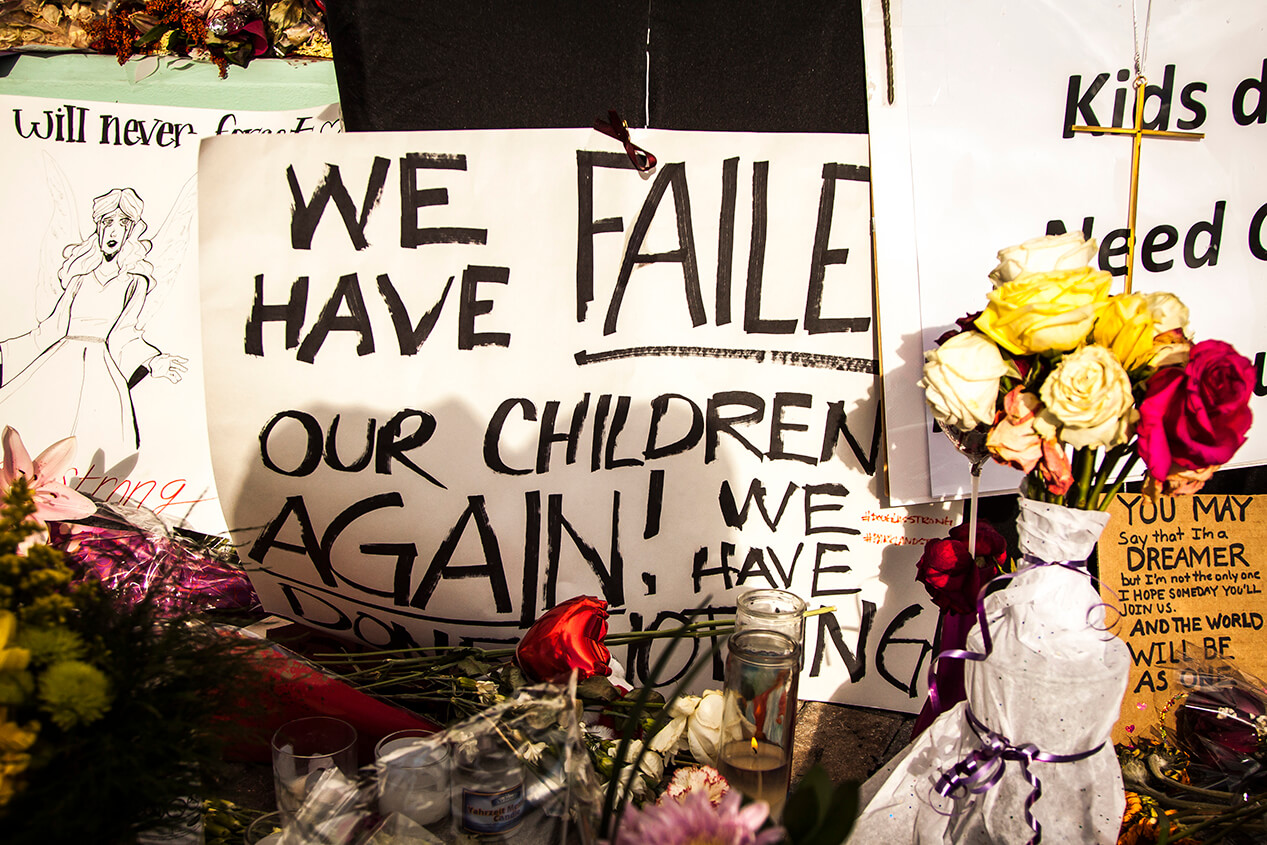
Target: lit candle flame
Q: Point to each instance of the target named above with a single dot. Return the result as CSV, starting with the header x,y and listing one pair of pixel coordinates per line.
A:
x,y
754,745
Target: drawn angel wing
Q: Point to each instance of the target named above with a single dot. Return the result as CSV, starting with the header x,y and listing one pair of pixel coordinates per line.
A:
x,y
63,231
171,245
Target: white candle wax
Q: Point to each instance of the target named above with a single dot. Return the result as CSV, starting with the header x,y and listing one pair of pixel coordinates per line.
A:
x,y
414,780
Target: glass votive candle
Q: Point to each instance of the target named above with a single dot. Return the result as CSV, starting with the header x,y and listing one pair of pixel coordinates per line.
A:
x,y
488,788
772,610
302,750
413,775
759,715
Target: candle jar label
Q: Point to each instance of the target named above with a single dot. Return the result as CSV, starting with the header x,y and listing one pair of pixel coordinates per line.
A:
x,y
492,812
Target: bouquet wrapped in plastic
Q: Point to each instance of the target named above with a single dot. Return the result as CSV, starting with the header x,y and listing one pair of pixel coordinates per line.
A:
x,y
518,771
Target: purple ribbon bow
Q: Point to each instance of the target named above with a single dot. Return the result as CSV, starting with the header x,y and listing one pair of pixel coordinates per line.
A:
x,y
935,704
983,768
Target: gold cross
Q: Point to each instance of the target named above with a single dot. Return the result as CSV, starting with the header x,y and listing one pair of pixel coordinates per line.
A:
x,y
1137,132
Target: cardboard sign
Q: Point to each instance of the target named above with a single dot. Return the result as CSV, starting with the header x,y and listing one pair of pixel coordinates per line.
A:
x,y
99,329
1187,575
975,152
460,377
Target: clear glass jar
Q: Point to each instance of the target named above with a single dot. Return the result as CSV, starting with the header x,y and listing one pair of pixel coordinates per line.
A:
x,y
413,775
759,715
488,789
772,610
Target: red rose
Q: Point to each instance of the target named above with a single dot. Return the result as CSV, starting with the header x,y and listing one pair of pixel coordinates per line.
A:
x,y
951,576
966,323
566,637
1196,416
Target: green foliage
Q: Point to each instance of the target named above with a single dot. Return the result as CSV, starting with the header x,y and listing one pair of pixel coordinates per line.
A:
x,y
33,582
130,706
52,645
174,683
74,693
818,813
639,717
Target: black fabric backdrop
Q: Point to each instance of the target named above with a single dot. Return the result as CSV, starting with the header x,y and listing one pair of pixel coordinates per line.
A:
x,y
688,64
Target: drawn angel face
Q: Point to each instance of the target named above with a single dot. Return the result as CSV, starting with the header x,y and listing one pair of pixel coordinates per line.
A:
x,y
112,231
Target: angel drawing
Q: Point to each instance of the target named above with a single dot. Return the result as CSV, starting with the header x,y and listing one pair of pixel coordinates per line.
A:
x,y
74,372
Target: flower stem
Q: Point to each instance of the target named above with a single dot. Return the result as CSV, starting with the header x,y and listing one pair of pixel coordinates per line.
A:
x,y
435,657
1154,768
1112,492
1233,817
1111,457
1171,801
1084,465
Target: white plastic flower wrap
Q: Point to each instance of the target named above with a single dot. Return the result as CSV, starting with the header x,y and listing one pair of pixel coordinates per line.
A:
x,y
519,769
1040,708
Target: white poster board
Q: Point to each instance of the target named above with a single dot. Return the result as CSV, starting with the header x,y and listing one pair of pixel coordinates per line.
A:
x,y
108,349
975,154
459,377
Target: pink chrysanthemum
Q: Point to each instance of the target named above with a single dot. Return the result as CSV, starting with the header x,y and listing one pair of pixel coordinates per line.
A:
x,y
695,821
689,779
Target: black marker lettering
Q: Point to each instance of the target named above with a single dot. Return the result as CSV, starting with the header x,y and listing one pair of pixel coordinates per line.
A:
x,y
306,215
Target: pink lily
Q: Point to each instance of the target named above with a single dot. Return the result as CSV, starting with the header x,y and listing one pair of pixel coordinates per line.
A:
x,y
53,500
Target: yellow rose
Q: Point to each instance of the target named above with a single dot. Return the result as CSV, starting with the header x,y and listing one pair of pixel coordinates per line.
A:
x,y
1041,312
961,380
1127,329
1040,255
1089,395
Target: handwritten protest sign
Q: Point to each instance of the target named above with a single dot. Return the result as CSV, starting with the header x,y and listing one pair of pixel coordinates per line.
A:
x,y
975,151
462,376
99,333
1187,575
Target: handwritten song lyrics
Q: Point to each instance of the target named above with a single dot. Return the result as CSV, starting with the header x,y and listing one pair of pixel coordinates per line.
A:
x,y
1186,575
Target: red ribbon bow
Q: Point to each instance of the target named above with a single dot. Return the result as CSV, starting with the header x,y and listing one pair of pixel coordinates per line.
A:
x,y
616,128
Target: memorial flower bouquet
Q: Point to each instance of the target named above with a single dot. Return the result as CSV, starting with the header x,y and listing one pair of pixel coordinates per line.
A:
x,y
222,32
111,710
1202,777
1073,386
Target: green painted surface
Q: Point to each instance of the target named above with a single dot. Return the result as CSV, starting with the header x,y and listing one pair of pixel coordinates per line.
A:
x,y
265,84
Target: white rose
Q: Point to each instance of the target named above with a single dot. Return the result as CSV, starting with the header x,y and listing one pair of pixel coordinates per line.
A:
x,y
961,380
1168,312
1089,395
672,737
703,728
650,764
1040,255
667,738
683,706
